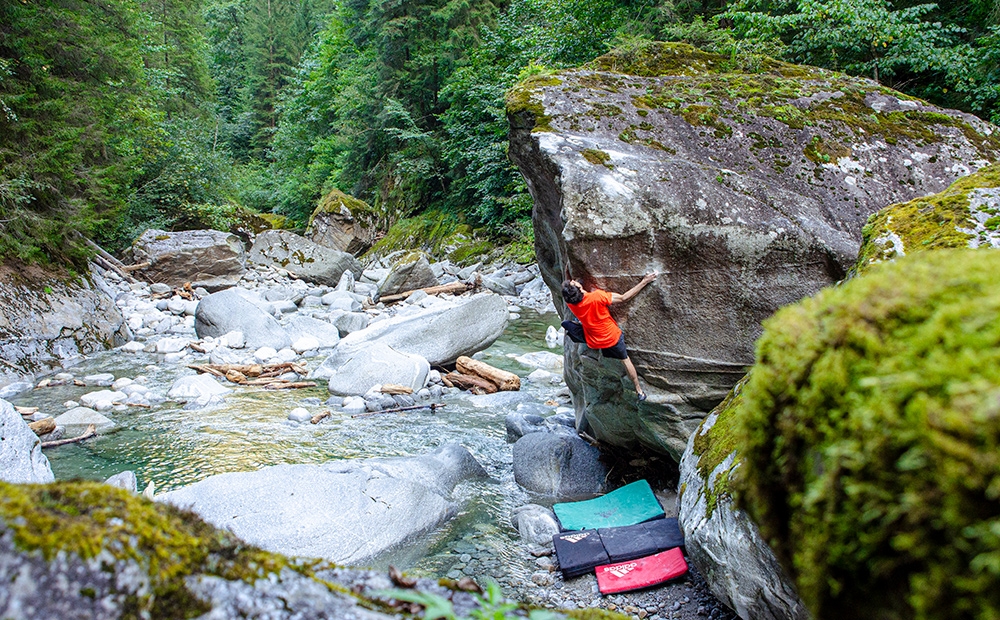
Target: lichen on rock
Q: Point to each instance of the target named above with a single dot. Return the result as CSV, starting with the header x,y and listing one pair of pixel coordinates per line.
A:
x,y
967,214
870,439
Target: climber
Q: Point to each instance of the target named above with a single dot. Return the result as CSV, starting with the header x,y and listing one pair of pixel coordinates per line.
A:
x,y
600,331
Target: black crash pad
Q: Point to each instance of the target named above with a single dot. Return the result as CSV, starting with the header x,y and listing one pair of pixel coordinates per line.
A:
x,y
640,540
579,552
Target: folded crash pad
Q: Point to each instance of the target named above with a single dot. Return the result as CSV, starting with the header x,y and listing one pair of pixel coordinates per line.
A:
x,y
628,505
579,552
641,573
641,539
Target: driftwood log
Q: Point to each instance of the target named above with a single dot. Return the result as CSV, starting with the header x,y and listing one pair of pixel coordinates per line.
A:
x,y
505,381
393,388
43,427
476,385
433,407
245,373
319,417
87,434
453,288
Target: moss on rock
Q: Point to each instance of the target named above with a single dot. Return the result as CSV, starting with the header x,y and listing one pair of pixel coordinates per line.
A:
x,y
439,234
89,519
336,200
870,436
943,220
713,446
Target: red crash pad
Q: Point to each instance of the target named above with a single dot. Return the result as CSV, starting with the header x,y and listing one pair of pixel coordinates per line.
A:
x,y
641,573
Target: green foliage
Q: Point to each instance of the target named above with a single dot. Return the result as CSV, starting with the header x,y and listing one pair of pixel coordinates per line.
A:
x,y
490,606
870,437
73,110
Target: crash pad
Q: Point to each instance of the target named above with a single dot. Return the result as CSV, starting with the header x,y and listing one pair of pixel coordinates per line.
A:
x,y
579,552
627,505
641,573
641,539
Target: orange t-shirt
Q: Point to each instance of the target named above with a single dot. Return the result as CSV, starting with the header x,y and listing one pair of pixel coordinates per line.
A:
x,y
599,328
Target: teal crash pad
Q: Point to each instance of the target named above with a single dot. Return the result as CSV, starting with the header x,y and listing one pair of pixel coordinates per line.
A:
x,y
628,505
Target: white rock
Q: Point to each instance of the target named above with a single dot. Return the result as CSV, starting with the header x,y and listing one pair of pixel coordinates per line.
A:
x,y
233,340
542,359
287,355
194,387
77,419
173,358
120,383
99,380
71,404
171,345
305,343
300,414
264,353
93,399
540,376
133,347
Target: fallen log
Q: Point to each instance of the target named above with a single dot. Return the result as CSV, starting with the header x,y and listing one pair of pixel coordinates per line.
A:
x,y
26,410
289,386
43,427
207,368
446,382
319,417
433,407
392,388
453,288
136,267
476,385
505,381
90,432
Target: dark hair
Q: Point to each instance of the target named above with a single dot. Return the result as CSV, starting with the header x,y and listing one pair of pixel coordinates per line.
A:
x,y
571,293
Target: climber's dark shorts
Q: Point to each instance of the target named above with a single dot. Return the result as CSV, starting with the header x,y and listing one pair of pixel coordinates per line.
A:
x,y
618,351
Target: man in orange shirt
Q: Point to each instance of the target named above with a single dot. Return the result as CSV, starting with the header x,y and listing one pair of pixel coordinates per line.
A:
x,y
599,329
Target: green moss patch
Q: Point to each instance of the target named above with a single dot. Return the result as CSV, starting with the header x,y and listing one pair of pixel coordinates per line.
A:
x,y
714,446
438,233
521,101
88,518
335,200
597,157
869,431
929,223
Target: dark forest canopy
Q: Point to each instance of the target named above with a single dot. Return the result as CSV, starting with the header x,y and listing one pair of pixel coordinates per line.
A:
x,y
118,115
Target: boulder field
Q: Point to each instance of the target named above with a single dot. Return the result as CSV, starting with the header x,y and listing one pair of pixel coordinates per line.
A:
x,y
746,191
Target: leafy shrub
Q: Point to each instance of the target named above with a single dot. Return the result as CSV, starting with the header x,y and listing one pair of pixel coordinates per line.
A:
x,y
870,433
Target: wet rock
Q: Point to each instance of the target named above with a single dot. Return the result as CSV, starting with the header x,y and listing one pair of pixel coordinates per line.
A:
x,y
21,458
350,322
124,480
77,420
343,511
536,524
545,360
439,334
227,311
558,465
500,285
196,387
300,256
299,414
92,399
208,258
375,365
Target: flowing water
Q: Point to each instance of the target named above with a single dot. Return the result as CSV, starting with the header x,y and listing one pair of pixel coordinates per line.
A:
x,y
172,447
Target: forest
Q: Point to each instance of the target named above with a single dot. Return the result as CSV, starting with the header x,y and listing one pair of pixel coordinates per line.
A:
x,y
122,115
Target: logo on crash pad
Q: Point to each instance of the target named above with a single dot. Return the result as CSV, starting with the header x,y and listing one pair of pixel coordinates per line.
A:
x,y
575,538
620,570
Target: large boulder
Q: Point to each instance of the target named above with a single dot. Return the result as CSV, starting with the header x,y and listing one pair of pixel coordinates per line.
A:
x,y
440,334
721,540
21,458
343,223
746,191
558,464
89,550
869,434
49,319
208,258
375,365
408,273
300,326
343,511
300,256
78,419
228,311
967,214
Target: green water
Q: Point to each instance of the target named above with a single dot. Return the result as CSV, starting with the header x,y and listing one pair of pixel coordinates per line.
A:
x,y
172,447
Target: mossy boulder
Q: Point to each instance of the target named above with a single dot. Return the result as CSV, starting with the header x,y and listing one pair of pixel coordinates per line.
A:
x,y
747,189
439,234
344,223
869,432
967,214
721,540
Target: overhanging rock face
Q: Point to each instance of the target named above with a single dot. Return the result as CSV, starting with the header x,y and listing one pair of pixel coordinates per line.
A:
x,y
747,191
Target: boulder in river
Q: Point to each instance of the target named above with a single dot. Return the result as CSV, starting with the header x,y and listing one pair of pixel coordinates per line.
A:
x,y
208,258
440,334
558,465
197,387
746,191
409,273
302,257
299,326
228,311
343,223
21,458
343,511
375,365
77,419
